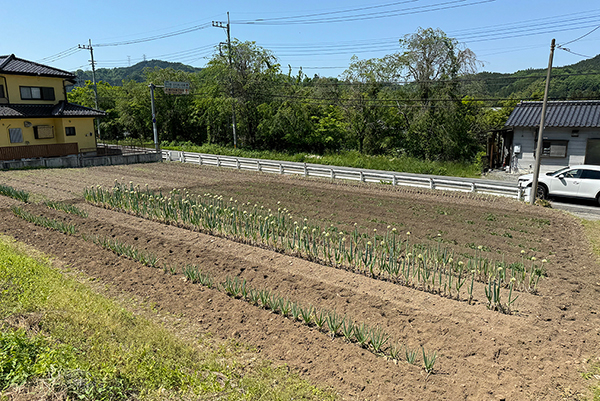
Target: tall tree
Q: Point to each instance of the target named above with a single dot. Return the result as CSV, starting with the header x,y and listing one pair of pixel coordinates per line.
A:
x,y
432,61
250,79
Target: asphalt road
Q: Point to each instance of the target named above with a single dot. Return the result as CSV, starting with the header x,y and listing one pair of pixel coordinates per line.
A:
x,y
584,209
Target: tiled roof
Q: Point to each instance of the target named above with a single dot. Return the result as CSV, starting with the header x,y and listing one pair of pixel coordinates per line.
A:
x,y
568,113
14,65
62,109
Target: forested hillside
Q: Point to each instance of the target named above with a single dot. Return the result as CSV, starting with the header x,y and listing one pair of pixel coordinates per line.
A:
x,y
115,76
576,81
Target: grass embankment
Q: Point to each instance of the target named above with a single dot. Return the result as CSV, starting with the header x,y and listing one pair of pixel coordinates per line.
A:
x,y
58,336
344,159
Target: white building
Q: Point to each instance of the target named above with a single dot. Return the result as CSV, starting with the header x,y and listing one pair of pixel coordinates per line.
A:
x,y
571,135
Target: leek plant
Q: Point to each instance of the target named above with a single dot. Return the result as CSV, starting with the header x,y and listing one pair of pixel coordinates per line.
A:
x,y
387,256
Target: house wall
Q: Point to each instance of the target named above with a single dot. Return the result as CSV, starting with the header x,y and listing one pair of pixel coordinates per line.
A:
x,y
14,82
84,131
524,162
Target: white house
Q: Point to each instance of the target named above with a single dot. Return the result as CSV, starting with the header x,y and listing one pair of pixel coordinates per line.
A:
x,y
571,134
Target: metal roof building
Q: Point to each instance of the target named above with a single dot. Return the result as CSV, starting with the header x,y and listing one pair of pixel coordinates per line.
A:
x,y
567,114
571,134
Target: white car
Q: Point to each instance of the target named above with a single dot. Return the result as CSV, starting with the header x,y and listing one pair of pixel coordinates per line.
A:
x,y
574,181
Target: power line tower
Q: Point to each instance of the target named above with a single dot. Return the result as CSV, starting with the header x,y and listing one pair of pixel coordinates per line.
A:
x,y
218,24
91,49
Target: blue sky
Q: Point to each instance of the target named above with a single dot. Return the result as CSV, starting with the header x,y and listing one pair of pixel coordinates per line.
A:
x,y
319,36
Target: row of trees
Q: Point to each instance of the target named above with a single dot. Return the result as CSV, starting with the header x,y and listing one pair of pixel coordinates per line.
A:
x,y
415,102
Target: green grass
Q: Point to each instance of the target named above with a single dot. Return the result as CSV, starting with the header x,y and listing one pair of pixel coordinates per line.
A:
x,y
593,375
90,347
346,159
592,231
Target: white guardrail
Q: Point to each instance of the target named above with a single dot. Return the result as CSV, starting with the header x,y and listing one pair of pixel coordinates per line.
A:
x,y
480,186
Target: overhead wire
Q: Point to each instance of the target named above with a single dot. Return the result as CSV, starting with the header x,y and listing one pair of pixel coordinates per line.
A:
x,y
293,20
577,54
518,29
60,55
330,12
581,37
561,46
156,37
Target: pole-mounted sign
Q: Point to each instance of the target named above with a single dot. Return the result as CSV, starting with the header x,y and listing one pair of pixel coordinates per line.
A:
x,y
177,88
170,88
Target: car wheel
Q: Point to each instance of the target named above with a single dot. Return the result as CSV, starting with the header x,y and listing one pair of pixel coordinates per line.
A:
x,y
542,191
598,198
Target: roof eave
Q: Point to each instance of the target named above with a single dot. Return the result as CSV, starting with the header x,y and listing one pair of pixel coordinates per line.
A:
x,y
71,78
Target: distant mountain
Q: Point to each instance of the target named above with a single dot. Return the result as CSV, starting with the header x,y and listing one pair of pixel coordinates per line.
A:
x,y
575,81
115,76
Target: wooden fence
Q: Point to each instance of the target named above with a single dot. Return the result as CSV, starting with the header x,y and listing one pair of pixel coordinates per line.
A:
x,y
35,151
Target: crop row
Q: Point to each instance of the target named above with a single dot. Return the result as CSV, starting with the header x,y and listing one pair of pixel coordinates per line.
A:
x,y
9,191
372,338
45,222
329,321
388,255
67,208
492,290
121,248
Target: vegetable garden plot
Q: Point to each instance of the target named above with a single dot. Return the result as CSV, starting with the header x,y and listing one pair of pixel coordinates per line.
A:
x,y
535,354
388,256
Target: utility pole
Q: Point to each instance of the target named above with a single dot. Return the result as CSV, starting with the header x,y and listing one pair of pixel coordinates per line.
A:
x,y
538,151
91,49
227,27
154,128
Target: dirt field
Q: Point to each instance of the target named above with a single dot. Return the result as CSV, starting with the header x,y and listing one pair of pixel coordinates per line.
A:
x,y
537,353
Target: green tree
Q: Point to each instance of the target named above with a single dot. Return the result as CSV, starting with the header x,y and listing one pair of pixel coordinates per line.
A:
x,y
361,103
432,61
250,79
108,97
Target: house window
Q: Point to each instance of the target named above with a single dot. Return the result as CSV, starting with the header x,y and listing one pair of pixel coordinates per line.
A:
x,y
37,93
2,91
43,131
70,131
554,148
16,135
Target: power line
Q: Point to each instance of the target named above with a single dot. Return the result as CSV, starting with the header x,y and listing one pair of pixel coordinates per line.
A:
x,y
294,20
561,47
582,36
391,103
340,11
480,34
156,37
569,51
60,55
194,53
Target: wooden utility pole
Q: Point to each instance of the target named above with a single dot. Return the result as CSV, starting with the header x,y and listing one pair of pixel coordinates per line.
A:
x,y
538,151
229,50
91,49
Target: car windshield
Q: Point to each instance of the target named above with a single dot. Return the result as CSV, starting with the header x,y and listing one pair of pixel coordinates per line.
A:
x,y
558,171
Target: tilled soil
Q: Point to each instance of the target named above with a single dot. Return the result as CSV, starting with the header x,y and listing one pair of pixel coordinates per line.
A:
x,y
538,352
